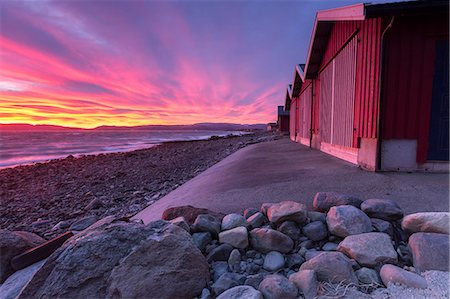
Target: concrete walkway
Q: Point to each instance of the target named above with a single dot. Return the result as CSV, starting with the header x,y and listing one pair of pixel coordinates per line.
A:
x,y
279,170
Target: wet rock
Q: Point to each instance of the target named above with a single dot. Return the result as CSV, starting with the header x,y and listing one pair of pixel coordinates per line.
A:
x,y
189,213
250,212
430,251
265,240
181,222
306,282
347,220
236,237
242,292
427,222
369,249
385,209
393,274
287,211
83,223
225,282
256,220
126,259
220,253
12,244
323,201
332,267
231,221
277,287
368,276
273,261
94,204
206,223
315,231
290,229
329,246
382,226
234,260
201,240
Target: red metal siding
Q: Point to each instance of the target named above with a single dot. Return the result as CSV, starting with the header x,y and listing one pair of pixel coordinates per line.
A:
x,y
305,112
326,102
408,78
292,119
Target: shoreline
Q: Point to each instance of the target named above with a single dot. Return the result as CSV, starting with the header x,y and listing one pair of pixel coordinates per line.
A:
x,y
47,197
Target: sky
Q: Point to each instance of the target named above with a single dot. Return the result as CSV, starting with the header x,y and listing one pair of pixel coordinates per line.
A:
x,y
125,63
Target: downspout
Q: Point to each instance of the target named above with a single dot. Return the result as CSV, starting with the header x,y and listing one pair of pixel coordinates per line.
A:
x,y
311,115
380,94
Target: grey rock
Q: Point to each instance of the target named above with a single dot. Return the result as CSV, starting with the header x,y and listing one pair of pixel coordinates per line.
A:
x,y
252,254
430,251
259,261
346,220
218,269
256,220
231,221
382,226
201,240
236,237
206,294
242,292
129,259
323,201
255,280
306,282
332,267
317,216
385,209
181,222
40,224
368,276
329,246
273,261
220,253
369,249
234,260
12,244
427,222
94,204
277,287
206,223
265,240
293,261
252,269
308,244
287,210
393,274
225,282
310,254
250,212
83,223
33,239
14,284
61,225
290,229
315,231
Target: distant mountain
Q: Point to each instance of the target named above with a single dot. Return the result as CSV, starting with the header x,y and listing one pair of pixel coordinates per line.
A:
x,y
199,126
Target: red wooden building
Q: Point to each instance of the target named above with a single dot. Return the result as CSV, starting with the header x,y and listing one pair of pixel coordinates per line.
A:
x,y
283,119
374,90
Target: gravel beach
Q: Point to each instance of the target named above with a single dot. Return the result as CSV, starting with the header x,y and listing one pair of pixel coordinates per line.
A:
x,y
46,198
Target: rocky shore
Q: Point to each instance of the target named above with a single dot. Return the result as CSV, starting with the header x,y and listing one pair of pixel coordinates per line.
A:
x,y
343,248
72,193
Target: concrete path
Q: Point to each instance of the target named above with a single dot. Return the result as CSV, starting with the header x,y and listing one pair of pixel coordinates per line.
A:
x,y
279,170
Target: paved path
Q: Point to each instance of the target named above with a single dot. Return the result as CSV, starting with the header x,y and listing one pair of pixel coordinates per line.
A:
x,y
279,170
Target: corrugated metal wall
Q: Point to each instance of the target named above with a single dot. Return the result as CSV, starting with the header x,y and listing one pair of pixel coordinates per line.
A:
x,y
292,119
305,116
408,78
326,102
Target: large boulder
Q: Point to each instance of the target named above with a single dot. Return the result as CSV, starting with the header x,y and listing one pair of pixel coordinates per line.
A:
x,y
287,210
189,213
427,222
332,267
323,201
277,287
347,220
369,249
430,251
236,237
241,292
393,274
266,239
385,209
12,244
123,259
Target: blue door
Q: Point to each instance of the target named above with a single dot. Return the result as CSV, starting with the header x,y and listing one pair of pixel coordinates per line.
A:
x,y
438,138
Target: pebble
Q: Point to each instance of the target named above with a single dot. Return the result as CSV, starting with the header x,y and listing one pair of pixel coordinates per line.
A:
x,y
234,260
273,261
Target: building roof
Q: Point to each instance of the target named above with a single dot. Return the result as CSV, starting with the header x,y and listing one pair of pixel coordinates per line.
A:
x,y
287,101
282,111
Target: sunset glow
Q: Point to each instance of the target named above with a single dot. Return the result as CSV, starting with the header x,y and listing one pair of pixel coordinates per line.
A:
x,y
85,64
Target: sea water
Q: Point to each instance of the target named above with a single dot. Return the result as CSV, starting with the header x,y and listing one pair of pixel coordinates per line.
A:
x,y
17,148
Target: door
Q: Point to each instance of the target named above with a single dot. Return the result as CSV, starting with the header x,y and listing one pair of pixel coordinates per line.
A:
x,y
438,142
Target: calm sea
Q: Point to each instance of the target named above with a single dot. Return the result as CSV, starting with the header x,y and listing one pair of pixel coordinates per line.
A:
x,y
18,148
